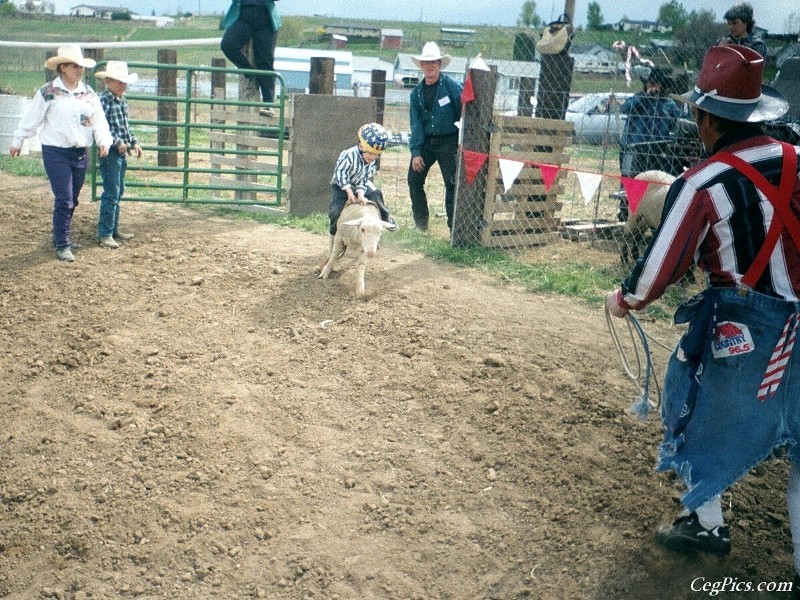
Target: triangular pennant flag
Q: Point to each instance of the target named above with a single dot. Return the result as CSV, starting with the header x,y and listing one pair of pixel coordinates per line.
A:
x,y
589,184
549,173
473,161
634,190
479,64
509,169
468,93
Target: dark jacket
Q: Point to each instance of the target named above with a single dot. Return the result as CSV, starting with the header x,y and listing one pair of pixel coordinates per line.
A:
x,y
440,119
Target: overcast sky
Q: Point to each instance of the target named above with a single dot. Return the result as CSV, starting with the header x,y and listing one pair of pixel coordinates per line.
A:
x,y
774,15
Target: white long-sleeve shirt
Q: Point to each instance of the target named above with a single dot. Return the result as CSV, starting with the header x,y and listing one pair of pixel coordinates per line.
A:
x,y
68,119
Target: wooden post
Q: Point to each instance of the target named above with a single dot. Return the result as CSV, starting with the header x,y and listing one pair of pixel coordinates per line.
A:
x,y
525,51
167,109
48,74
89,79
218,92
476,135
322,76
554,84
377,89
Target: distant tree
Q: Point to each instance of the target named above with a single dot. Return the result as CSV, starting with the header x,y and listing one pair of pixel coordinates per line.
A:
x,y
673,14
700,32
528,16
7,8
594,18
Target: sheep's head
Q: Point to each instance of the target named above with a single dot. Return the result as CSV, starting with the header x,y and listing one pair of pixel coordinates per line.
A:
x,y
370,230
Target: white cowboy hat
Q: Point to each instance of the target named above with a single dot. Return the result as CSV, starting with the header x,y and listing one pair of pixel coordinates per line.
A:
x,y
117,69
71,53
431,52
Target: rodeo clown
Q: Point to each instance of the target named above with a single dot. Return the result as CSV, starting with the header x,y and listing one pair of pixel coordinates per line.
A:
x,y
731,394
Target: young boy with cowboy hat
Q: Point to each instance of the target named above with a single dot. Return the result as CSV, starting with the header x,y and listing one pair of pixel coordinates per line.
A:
x,y
731,395
435,107
113,166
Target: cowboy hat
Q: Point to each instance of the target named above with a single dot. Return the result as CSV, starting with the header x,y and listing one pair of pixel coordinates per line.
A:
x,y
554,40
659,76
729,86
430,53
71,53
117,69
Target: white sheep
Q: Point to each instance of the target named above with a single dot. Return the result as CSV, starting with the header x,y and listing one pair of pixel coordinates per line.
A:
x,y
648,213
358,227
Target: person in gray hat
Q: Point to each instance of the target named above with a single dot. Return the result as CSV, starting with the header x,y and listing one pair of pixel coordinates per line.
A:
x,y
739,18
731,394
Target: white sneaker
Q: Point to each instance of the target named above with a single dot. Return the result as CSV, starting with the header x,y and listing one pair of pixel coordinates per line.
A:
x,y
267,112
65,254
108,242
123,237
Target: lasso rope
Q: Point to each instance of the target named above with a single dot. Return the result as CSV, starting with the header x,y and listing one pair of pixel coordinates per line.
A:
x,y
641,406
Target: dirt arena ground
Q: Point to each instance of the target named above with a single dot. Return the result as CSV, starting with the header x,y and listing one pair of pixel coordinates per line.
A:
x,y
196,416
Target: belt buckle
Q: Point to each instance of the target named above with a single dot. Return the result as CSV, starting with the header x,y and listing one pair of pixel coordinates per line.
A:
x,y
742,290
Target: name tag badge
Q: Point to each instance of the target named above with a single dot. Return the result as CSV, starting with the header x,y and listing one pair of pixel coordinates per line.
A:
x,y
731,339
444,101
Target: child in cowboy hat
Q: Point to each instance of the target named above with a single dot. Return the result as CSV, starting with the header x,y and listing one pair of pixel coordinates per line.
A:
x,y
731,395
71,119
113,166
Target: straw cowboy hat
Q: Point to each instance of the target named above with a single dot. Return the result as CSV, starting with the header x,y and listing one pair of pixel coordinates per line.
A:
x,y
431,52
117,69
729,86
71,53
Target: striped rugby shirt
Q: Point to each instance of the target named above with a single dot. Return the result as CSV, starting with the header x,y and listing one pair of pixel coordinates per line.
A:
x,y
713,215
353,171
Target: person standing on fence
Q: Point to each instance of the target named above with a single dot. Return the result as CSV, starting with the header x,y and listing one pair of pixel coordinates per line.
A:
x,y
71,118
731,395
651,117
113,166
435,108
255,21
739,18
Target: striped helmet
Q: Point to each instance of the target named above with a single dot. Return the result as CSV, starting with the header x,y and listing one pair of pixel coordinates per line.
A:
x,y
372,138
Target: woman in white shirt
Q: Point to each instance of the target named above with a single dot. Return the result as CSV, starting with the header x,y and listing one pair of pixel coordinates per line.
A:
x,y
71,118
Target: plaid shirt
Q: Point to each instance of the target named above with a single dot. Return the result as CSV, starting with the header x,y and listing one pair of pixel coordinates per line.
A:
x,y
116,110
715,215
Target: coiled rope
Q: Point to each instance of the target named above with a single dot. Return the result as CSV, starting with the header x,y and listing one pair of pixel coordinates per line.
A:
x,y
641,349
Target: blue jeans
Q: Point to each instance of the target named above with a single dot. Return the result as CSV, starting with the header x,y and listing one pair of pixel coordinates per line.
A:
x,y
444,150
255,26
112,170
716,428
66,170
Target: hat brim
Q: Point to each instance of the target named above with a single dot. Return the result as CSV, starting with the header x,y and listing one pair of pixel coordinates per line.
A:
x,y
418,60
772,105
130,78
54,61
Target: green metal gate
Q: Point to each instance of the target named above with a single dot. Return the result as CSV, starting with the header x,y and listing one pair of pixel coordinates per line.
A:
x,y
199,147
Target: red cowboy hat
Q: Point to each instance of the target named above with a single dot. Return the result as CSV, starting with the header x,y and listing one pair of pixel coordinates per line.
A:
x,y
729,86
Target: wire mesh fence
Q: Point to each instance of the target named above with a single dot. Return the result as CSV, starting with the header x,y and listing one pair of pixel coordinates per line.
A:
x,y
563,150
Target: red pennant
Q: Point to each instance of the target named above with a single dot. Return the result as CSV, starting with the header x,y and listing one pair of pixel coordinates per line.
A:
x,y
634,190
549,173
473,161
468,93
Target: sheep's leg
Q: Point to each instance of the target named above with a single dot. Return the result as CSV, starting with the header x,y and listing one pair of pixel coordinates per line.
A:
x,y
336,250
362,267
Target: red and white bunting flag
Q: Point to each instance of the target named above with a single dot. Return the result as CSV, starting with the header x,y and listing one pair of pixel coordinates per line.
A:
x,y
549,173
510,170
473,161
634,190
589,184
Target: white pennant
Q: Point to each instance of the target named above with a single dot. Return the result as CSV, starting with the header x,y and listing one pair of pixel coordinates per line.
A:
x,y
509,169
589,184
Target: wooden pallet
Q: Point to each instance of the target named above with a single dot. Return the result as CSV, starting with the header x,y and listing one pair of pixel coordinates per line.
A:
x,y
525,215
